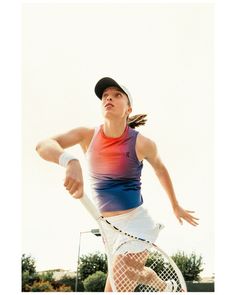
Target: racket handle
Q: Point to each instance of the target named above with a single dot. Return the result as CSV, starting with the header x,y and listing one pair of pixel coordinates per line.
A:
x,y
89,206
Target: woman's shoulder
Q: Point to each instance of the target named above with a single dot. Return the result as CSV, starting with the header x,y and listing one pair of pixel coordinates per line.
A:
x,y
143,139
82,132
85,130
88,134
145,144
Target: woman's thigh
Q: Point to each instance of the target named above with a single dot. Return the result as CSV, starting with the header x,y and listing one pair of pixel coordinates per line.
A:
x,y
108,287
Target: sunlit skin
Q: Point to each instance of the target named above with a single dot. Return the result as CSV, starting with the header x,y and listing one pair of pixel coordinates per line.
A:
x,y
115,109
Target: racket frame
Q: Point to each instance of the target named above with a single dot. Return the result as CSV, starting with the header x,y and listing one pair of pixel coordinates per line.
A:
x,y
101,219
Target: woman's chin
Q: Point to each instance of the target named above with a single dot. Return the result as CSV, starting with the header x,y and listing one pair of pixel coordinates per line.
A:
x,y
108,115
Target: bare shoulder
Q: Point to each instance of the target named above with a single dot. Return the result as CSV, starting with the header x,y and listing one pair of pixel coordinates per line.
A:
x,y
84,131
145,147
78,135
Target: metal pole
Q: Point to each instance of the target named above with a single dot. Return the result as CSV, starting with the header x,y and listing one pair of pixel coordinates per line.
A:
x,y
78,264
97,233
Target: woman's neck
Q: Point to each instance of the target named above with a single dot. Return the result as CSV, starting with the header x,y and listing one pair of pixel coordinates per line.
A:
x,y
114,129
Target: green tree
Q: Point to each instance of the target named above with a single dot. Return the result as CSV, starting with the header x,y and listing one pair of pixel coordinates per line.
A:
x,y
91,263
156,262
47,276
95,282
29,274
28,264
34,282
189,265
41,286
70,281
64,288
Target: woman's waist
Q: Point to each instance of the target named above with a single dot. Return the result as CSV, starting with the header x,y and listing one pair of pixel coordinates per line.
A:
x,y
127,215
116,213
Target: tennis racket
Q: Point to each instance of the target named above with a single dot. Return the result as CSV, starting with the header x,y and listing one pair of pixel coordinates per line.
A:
x,y
135,264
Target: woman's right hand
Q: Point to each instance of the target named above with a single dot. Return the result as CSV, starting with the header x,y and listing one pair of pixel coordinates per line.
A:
x,y
74,179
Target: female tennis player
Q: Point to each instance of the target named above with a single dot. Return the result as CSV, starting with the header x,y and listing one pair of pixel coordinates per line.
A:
x,y
115,153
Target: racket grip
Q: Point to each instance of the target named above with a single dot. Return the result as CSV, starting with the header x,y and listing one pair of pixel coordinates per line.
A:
x,y
89,206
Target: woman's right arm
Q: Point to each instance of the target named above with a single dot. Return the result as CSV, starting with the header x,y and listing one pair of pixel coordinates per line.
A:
x,y
50,150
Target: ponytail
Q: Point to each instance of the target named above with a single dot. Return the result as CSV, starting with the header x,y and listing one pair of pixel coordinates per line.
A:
x,y
137,120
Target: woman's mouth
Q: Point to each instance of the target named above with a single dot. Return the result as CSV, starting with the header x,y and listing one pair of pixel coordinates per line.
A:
x,y
109,105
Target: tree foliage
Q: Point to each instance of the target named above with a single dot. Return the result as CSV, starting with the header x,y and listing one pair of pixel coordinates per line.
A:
x,y
28,264
41,286
29,274
64,288
189,265
70,281
95,282
156,262
93,270
91,263
46,276
34,282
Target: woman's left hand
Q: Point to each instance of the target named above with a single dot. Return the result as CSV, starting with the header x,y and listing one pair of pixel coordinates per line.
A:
x,y
181,213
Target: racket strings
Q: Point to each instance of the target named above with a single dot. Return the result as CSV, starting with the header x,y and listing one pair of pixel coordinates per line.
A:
x,y
136,265
143,272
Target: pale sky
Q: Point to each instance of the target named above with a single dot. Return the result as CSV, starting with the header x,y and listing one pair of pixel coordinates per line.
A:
x,y
164,55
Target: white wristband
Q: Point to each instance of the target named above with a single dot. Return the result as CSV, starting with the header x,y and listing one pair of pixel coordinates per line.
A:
x,y
65,158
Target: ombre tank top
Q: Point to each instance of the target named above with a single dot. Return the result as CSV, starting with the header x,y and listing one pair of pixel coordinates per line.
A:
x,y
115,171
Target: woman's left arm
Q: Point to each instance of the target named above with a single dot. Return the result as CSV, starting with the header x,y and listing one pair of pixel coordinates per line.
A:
x,y
147,150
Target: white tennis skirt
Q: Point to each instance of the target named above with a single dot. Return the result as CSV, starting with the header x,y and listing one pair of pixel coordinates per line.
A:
x,y
138,223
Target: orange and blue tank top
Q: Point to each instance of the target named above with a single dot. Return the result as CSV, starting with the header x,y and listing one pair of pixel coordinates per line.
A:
x,y
115,170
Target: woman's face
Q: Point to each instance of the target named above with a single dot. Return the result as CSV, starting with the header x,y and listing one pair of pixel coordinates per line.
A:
x,y
115,103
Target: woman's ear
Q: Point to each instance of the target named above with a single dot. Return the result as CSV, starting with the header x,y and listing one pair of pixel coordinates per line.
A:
x,y
130,110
